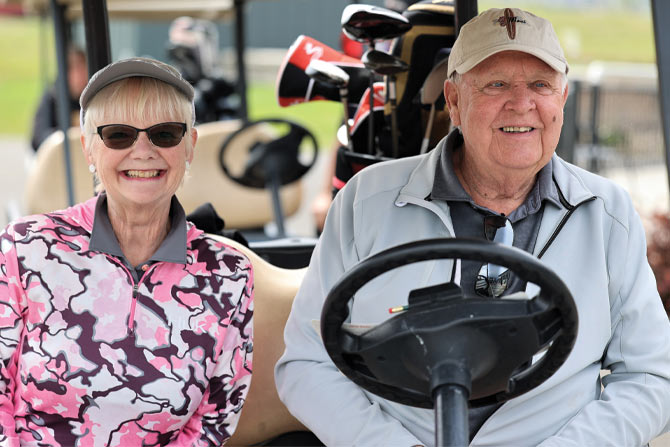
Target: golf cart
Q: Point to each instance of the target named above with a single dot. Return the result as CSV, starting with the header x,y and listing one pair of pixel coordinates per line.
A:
x,y
552,309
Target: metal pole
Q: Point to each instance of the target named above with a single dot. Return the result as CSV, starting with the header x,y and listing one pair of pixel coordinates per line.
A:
x,y
239,50
42,50
274,184
451,416
594,158
63,110
660,11
96,28
465,10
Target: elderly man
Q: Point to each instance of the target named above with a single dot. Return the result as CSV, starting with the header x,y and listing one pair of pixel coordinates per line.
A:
x,y
506,90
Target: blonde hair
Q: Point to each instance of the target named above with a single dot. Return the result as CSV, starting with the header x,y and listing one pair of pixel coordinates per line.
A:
x,y
137,98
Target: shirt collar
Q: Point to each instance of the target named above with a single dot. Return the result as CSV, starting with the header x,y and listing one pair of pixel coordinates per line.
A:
x,y
447,186
172,249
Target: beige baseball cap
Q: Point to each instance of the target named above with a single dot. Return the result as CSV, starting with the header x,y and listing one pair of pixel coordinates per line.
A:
x,y
496,30
127,68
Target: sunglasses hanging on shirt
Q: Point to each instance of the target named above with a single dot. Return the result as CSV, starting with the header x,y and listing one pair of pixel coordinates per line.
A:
x,y
492,280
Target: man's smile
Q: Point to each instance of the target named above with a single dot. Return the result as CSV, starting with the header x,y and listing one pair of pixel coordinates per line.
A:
x,y
515,129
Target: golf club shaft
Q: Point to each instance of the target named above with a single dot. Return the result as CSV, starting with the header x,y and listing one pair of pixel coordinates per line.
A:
x,y
394,118
429,127
371,121
344,95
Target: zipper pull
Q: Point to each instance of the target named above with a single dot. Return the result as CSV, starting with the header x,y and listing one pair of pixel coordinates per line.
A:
x,y
131,316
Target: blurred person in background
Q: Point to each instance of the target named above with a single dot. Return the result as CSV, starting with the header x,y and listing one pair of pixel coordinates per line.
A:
x,y
45,121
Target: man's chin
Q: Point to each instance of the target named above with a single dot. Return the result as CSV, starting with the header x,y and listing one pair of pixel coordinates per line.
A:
x,y
529,163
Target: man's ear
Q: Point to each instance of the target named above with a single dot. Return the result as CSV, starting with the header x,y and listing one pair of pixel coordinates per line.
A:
x,y
451,98
565,92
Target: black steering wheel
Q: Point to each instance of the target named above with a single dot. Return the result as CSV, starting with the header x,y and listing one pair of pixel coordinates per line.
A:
x,y
447,337
272,161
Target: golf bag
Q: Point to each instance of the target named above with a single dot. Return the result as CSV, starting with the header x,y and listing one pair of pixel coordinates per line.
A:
x,y
294,86
422,48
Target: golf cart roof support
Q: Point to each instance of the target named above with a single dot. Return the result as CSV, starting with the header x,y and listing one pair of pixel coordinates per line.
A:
x,y
240,44
96,28
464,11
63,111
660,11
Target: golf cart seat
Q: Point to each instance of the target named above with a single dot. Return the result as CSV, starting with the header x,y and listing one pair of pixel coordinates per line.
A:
x,y
264,416
241,207
46,187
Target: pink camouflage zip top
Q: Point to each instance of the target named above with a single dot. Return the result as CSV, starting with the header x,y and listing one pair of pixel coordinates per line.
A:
x,y
91,358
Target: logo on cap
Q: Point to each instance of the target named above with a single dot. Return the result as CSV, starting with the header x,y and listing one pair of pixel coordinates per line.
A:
x,y
509,20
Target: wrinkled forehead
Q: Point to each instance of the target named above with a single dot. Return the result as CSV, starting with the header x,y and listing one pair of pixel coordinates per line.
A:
x,y
511,62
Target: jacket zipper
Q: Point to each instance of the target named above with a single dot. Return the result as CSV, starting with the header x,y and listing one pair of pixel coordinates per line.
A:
x,y
133,301
133,305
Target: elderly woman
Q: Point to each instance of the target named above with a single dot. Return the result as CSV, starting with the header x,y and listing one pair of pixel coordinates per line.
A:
x,y
122,324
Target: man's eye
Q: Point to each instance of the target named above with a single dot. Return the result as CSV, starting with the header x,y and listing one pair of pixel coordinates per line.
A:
x,y
542,87
496,84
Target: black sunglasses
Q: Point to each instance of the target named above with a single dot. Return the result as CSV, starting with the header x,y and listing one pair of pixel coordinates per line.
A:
x,y
122,136
493,280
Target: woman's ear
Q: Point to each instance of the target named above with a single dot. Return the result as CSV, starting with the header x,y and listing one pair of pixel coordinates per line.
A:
x,y
194,139
87,153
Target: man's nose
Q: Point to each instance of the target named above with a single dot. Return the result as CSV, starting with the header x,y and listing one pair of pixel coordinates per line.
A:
x,y
521,99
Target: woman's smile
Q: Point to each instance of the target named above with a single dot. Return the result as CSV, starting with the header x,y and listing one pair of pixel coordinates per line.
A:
x,y
143,174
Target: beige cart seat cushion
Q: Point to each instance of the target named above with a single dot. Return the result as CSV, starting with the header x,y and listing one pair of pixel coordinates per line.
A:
x,y
264,416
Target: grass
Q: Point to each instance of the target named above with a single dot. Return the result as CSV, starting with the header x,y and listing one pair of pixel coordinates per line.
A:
x,y
587,35
322,118
596,34
21,82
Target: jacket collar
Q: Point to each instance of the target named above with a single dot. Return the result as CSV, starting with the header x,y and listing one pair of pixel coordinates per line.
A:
x,y
171,249
83,215
421,180
570,185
